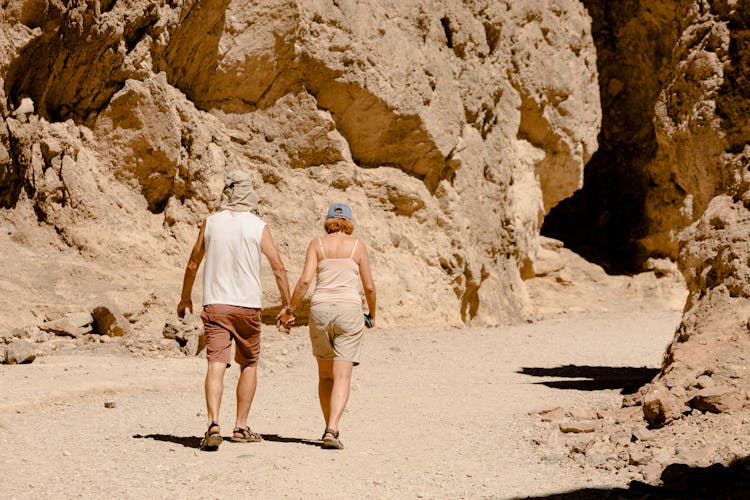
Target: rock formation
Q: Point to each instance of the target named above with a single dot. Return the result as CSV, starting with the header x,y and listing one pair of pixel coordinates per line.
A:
x,y
689,198
451,128
703,139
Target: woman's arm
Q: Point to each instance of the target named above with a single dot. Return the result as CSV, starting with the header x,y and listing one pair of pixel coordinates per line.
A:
x,y
303,283
368,284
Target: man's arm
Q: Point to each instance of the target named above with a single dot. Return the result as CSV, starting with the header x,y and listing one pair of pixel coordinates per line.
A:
x,y
268,248
196,256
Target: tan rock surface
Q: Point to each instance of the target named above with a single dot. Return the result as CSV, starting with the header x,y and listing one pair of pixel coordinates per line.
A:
x,y
397,109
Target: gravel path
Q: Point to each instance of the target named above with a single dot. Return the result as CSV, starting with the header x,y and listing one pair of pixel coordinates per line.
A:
x,y
433,414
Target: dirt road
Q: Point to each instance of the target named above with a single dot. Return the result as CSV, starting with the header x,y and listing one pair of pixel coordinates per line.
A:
x,y
433,414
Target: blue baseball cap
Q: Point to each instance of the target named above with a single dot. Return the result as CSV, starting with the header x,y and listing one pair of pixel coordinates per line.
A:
x,y
339,211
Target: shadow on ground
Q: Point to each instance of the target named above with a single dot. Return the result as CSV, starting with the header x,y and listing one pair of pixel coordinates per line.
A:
x,y
194,441
627,379
679,482
281,439
187,441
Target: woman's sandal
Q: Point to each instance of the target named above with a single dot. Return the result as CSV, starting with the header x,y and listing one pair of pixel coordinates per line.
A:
x,y
211,440
331,440
245,436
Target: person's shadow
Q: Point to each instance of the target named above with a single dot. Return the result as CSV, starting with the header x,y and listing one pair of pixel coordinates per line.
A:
x,y
195,441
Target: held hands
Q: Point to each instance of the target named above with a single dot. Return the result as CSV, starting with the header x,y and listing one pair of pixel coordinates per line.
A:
x,y
285,320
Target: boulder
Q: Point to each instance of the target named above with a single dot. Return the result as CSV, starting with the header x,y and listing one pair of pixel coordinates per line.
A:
x,y
717,400
73,325
108,320
19,352
188,333
6,337
660,407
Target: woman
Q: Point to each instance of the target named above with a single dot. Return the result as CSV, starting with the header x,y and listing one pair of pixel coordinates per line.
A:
x,y
336,320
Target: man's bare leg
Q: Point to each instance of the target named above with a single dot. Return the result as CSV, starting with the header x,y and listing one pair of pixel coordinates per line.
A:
x,y
214,389
245,393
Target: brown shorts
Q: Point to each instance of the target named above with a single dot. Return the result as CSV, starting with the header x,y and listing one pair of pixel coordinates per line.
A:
x,y
224,323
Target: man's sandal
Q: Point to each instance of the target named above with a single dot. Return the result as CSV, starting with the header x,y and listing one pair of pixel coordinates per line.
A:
x,y
331,440
211,440
245,435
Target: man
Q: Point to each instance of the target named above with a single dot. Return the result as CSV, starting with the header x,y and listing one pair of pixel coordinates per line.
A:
x,y
232,240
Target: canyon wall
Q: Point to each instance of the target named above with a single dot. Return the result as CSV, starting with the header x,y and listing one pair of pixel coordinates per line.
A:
x,y
702,130
451,128
671,179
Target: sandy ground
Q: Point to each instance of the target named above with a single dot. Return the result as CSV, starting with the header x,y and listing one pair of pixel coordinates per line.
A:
x,y
433,414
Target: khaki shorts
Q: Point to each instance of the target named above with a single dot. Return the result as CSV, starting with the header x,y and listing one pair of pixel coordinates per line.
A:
x,y
336,330
224,323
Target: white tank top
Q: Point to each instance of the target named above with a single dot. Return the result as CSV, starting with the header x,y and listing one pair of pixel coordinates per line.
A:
x,y
232,272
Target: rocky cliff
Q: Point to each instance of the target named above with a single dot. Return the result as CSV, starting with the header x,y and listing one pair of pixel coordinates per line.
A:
x,y
674,142
451,128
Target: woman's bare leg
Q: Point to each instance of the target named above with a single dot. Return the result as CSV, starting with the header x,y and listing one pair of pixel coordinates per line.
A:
x,y
325,385
342,377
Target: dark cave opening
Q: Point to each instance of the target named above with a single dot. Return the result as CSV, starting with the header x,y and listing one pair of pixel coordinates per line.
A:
x,y
604,221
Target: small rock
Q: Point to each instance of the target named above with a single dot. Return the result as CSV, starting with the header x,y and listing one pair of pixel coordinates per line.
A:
x,y
73,325
630,400
583,413
652,473
704,382
194,345
580,445
108,320
663,455
552,414
717,400
695,458
641,433
109,404
662,267
550,243
188,333
554,456
577,427
21,333
38,336
26,106
638,457
19,351
547,262
660,407
599,453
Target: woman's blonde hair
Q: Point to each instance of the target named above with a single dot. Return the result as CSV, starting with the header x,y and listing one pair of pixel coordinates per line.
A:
x,y
339,225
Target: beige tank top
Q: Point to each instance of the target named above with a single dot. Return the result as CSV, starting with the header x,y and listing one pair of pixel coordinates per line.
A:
x,y
337,280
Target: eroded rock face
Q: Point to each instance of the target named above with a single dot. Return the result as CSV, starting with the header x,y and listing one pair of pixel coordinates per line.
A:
x,y
451,128
703,136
